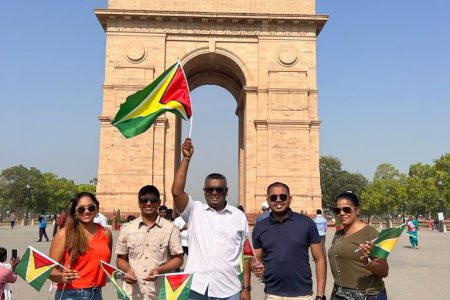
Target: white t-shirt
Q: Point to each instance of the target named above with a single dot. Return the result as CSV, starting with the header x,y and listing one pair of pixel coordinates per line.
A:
x,y
184,236
101,219
216,239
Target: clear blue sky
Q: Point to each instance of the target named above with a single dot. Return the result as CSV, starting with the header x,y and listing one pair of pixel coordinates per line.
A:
x,y
383,78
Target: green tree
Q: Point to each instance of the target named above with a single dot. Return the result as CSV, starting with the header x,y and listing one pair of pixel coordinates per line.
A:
x,y
442,166
329,170
334,180
386,193
422,188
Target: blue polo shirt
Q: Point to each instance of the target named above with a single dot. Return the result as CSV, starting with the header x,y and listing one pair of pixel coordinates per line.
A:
x,y
285,248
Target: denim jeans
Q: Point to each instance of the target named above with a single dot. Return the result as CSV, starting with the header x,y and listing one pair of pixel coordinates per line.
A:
x,y
196,296
380,296
79,294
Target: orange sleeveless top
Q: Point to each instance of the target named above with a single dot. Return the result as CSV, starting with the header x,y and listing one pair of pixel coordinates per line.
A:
x,y
88,265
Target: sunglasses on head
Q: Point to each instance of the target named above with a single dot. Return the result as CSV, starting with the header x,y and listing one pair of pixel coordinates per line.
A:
x,y
144,200
89,208
219,190
345,209
283,197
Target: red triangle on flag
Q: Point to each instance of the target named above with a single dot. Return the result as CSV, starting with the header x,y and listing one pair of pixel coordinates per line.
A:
x,y
248,250
107,268
176,280
41,261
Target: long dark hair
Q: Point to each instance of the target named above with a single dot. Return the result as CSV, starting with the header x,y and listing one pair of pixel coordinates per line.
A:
x,y
76,242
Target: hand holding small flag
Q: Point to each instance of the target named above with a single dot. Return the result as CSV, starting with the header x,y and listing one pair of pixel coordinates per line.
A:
x,y
152,275
69,275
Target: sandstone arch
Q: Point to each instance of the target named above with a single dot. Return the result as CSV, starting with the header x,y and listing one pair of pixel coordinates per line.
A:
x,y
262,51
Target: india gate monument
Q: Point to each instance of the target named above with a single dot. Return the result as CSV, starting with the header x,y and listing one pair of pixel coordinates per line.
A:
x,y
262,51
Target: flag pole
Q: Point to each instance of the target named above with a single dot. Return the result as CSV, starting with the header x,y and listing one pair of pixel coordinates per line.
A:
x,y
189,90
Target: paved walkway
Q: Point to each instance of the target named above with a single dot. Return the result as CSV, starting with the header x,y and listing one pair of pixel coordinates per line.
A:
x,y
414,274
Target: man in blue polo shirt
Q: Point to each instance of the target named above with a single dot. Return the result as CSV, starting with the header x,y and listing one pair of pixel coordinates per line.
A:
x,y
281,245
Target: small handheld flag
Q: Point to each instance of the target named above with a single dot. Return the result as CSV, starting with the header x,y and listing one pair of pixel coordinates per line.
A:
x,y
168,92
386,241
35,267
248,249
113,275
177,286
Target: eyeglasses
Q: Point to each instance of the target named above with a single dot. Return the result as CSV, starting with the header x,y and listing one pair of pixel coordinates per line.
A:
x,y
283,197
89,208
144,200
345,209
219,190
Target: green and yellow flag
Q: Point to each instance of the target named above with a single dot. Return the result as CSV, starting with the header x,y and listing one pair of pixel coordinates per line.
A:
x,y
35,267
168,92
113,275
176,287
386,241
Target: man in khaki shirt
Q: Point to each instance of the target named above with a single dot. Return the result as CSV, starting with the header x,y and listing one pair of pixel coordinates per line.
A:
x,y
146,247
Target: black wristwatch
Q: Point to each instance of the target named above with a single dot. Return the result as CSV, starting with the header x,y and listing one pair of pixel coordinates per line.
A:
x,y
247,287
321,298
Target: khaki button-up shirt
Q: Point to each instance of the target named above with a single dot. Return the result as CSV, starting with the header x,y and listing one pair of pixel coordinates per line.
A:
x,y
147,248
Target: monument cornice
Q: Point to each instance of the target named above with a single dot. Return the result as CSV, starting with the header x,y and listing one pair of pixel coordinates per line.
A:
x,y
293,123
137,21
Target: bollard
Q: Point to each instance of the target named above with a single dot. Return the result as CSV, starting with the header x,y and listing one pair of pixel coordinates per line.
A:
x,y
23,222
54,222
32,222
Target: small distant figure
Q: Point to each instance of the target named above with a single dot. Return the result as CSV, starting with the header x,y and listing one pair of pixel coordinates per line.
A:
x,y
12,218
42,226
412,233
182,226
130,218
169,215
101,219
321,224
266,212
62,219
430,224
162,211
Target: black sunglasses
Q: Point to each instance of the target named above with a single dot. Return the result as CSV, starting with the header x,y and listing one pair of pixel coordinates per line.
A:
x,y
144,200
345,209
89,208
219,190
283,197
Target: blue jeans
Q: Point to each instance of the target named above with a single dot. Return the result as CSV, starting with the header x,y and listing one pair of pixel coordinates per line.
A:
x,y
380,296
196,296
79,294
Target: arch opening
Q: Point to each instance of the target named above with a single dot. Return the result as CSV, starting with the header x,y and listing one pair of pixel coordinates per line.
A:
x,y
214,80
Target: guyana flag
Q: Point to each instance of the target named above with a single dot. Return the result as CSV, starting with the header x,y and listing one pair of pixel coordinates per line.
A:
x,y
169,92
177,286
247,252
248,249
35,267
386,241
113,275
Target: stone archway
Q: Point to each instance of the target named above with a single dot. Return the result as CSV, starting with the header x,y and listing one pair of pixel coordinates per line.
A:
x,y
265,57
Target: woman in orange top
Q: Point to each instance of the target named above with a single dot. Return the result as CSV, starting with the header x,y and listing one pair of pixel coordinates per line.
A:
x,y
80,246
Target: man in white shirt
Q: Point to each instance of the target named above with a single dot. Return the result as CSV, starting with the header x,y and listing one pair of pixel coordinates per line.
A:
x,y
217,232
101,219
182,226
321,224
